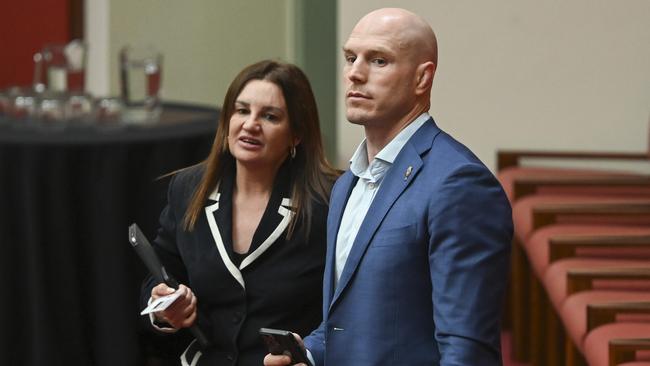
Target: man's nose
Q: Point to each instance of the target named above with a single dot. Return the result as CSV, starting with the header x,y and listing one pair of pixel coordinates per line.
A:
x,y
356,72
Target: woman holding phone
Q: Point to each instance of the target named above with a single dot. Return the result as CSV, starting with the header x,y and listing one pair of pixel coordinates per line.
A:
x,y
244,231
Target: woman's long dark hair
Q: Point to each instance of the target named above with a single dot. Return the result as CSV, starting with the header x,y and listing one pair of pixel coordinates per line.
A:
x,y
311,175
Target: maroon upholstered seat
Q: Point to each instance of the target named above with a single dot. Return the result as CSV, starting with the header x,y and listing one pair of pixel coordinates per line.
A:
x,y
508,176
537,246
555,277
522,211
513,175
595,347
573,311
524,299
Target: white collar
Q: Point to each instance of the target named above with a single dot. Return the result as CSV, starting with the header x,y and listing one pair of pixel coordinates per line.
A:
x,y
385,158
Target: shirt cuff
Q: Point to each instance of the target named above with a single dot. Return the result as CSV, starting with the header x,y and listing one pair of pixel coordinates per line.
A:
x,y
160,326
310,357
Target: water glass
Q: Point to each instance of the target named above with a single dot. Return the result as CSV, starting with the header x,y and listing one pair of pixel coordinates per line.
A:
x,y
79,107
60,67
22,103
109,110
140,81
50,106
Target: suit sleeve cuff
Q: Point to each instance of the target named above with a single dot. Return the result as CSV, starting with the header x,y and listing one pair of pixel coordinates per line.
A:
x,y
159,326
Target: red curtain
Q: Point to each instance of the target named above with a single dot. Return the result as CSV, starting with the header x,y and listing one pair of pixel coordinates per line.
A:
x,y
25,27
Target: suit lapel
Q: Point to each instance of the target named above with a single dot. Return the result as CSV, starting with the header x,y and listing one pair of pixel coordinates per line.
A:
x,y
276,217
224,253
337,205
274,222
278,227
405,168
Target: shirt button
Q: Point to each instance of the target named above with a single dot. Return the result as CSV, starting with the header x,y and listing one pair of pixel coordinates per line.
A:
x,y
371,185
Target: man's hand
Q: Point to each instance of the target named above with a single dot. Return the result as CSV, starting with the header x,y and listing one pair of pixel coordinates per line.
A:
x,y
282,360
278,360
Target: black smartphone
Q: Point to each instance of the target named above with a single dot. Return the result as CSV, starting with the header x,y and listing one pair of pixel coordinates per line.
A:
x,y
282,342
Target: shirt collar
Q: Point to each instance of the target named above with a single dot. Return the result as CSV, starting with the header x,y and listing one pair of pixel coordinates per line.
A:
x,y
359,165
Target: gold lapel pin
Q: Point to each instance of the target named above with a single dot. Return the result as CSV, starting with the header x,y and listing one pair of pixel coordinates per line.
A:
x,y
408,172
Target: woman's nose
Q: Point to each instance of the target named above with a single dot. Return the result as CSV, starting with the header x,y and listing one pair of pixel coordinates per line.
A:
x,y
251,123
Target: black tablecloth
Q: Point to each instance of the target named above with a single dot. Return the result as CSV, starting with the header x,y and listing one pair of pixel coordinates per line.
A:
x,y
70,280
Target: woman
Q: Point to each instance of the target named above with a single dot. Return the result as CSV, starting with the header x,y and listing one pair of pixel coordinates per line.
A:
x,y
244,231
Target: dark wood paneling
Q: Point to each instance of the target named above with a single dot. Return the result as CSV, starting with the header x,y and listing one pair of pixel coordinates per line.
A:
x,y
76,19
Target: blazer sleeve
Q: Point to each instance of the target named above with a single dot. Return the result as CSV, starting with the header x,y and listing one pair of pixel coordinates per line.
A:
x,y
470,226
165,243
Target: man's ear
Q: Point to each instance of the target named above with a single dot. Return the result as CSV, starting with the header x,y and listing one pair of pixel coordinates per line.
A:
x,y
424,74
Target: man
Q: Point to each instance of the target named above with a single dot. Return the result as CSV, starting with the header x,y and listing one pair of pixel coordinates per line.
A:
x,y
418,229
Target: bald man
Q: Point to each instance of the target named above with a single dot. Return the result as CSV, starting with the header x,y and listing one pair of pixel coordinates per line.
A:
x,y
419,230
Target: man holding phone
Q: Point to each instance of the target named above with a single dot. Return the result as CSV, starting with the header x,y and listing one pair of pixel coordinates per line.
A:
x,y
419,230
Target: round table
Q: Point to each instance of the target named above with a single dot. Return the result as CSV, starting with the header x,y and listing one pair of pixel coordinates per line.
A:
x,y
70,280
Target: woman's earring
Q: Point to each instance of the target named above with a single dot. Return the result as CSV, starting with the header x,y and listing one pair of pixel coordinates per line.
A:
x,y
293,151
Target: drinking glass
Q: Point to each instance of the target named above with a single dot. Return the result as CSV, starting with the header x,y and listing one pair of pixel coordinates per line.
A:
x,y
79,107
60,67
22,102
140,81
50,106
109,110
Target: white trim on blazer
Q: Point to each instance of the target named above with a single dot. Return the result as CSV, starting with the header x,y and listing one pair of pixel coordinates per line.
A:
x,y
195,359
283,210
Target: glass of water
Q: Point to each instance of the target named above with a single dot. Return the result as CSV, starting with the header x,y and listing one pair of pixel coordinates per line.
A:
x,y
23,103
50,106
140,81
79,107
60,67
109,110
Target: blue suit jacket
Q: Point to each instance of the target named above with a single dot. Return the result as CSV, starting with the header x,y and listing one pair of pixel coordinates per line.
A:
x,y
425,278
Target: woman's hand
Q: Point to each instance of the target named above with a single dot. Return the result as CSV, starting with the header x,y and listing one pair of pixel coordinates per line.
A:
x,y
180,314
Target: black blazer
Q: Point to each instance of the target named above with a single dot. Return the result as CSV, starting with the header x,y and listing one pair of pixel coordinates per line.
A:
x,y
278,284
